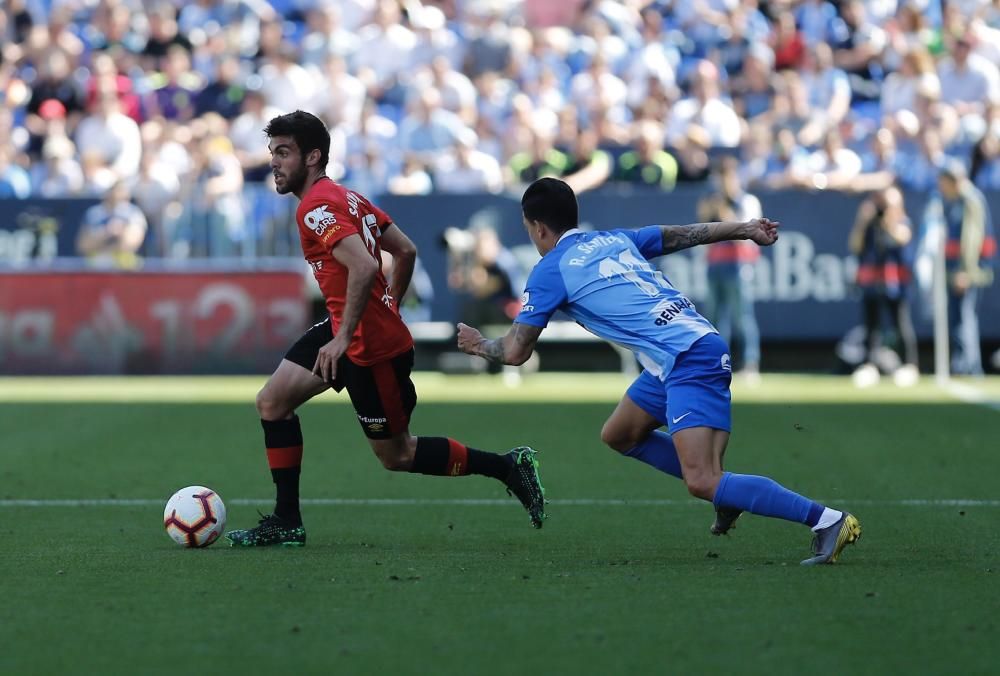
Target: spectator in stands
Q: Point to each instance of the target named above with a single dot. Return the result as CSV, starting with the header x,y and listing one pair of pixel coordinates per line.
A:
x,y
827,88
817,20
730,305
969,248
858,51
155,191
985,171
969,84
753,89
59,175
385,50
173,89
340,99
485,273
833,166
412,178
245,136
899,91
649,164
214,199
285,84
111,29
458,94
224,94
705,111
105,75
375,131
599,86
367,171
787,42
489,43
467,170
587,166
655,59
109,135
429,129
878,240
163,34
113,231
434,40
14,180
543,159
326,35
878,163
55,84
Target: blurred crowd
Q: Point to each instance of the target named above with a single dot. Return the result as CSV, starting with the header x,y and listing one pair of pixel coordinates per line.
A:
x,y
168,98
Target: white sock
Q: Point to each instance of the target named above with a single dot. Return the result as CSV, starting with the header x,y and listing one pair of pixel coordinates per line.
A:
x,y
827,519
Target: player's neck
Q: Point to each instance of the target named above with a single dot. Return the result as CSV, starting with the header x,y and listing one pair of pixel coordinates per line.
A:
x,y
309,182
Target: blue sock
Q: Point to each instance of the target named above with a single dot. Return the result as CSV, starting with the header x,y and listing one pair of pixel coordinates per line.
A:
x,y
766,497
658,451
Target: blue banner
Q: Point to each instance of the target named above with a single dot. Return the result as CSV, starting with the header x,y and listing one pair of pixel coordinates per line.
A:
x,y
804,284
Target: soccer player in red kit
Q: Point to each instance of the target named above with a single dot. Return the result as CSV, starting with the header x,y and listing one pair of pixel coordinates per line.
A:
x,y
363,345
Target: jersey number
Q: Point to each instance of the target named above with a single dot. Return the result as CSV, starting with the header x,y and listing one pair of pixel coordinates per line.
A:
x,y
627,265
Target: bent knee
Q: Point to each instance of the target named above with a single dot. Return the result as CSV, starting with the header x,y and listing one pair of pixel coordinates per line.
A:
x,y
618,439
397,457
270,407
702,486
396,463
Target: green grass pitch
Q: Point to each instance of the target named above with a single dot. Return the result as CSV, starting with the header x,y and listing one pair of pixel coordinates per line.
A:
x,y
623,579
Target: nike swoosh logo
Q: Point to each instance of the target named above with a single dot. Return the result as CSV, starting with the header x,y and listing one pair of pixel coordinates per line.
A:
x,y
681,417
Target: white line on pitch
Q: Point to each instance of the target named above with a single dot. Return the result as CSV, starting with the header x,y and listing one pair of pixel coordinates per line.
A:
x,y
474,502
971,395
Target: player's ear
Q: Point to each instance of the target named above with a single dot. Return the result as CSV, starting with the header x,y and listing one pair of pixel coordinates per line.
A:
x,y
314,157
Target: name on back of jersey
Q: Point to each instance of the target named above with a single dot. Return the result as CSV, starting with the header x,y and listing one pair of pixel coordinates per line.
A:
x,y
667,309
595,244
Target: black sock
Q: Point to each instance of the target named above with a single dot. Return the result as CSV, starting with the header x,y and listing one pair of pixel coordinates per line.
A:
x,y
489,464
440,456
283,439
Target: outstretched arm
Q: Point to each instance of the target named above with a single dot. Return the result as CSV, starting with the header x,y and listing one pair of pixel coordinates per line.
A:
x,y
763,231
514,348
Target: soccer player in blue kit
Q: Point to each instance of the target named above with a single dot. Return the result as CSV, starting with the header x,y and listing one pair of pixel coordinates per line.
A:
x,y
604,281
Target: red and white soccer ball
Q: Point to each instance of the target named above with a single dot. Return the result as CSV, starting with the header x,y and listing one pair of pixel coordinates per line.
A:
x,y
195,516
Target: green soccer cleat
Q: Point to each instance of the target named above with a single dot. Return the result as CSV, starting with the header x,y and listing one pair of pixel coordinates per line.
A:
x,y
524,484
725,519
271,530
829,542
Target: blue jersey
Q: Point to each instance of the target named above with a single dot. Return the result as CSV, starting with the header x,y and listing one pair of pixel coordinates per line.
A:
x,y
604,281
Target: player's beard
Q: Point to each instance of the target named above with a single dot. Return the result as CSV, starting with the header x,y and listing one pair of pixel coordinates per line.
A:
x,y
293,181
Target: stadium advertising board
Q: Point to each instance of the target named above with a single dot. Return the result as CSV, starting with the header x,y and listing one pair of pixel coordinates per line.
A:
x,y
105,322
804,284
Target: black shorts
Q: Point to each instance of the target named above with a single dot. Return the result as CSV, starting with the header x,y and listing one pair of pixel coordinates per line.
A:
x,y
383,394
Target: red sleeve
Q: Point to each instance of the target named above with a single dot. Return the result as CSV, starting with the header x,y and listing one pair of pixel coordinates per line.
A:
x,y
327,222
384,219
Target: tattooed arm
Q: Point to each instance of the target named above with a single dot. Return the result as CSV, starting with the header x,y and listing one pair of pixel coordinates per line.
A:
x,y
514,348
763,231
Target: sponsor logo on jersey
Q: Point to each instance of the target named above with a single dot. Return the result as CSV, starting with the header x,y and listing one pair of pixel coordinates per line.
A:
x,y
525,305
319,219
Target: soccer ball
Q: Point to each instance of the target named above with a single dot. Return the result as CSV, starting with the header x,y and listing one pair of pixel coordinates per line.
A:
x,y
195,516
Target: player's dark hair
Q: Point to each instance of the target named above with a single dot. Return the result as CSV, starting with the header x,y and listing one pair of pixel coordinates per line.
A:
x,y
308,131
551,202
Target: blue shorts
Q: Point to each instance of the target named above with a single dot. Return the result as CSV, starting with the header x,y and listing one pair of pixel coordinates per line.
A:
x,y
696,393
